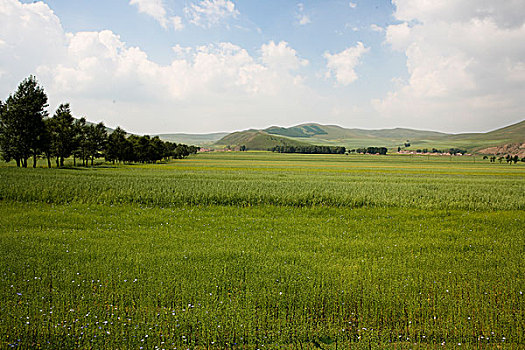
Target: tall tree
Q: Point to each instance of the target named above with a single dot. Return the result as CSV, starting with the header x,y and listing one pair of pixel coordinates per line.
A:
x,y
63,133
96,141
117,146
81,140
22,124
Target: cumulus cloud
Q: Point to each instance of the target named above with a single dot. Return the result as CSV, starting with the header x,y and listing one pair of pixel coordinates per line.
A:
x,y
207,13
157,10
106,79
281,56
465,62
342,65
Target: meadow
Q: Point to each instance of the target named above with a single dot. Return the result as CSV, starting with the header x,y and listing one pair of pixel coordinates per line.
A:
x,y
257,250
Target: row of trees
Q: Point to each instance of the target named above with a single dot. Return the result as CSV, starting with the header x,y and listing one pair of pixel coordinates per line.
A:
x,y
309,149
27,132
143,149
372,150
508,158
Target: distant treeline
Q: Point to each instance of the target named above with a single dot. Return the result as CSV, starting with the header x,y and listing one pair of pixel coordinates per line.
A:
x,y
372,150
434,150
27,132
309,149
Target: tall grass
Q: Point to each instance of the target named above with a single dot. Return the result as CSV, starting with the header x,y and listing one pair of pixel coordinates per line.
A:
x,y
278,181
262,251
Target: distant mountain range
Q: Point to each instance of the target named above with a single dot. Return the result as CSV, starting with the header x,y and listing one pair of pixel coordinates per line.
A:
x,y
333,135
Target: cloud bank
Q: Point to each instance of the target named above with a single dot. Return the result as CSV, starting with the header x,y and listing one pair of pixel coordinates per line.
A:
x,y
221,83
465,63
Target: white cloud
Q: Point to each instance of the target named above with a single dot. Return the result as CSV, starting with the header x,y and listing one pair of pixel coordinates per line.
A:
x,y
465,62
352,4
30,33
281,56
204,88
157,10
207,13
342,65
153,8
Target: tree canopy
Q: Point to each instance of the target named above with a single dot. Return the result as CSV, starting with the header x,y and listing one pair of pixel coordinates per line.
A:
x,y
26,131
22,122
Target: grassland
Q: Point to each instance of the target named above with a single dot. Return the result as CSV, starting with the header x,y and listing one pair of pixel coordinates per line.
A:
x,y
259,250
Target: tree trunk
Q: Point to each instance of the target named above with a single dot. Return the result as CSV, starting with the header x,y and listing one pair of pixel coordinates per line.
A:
x,y
48,161
61,161
92,159
24,162
18,162
74,160
34,160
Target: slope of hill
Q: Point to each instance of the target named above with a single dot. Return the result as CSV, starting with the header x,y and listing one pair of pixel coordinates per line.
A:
x,y
256,140
334,132
334,135
514,132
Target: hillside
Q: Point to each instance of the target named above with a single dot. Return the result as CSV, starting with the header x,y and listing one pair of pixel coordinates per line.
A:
x,y
334,135
514,133
256,140
334,132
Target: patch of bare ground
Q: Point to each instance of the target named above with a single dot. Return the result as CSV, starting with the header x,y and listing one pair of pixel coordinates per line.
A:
x,y
511,149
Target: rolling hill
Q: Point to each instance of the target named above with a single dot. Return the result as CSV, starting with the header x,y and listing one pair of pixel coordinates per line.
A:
x,y
256,140
334,132
334,135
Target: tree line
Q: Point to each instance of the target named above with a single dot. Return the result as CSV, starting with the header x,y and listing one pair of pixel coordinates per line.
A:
x,y
309,149
372,150
27,131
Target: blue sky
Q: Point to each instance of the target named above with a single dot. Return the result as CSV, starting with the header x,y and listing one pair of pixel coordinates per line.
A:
x,y
156,66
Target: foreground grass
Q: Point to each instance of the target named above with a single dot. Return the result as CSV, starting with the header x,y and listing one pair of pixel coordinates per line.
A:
x,y
91,277
132,257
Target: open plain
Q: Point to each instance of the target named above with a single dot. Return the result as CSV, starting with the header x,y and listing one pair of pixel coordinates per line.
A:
x,y
256,250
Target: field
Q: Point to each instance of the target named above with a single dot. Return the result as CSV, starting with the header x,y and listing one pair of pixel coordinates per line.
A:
x,y
265,251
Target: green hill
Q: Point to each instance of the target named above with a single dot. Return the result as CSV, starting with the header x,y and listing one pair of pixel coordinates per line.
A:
x,y
256,140
513,133
334,132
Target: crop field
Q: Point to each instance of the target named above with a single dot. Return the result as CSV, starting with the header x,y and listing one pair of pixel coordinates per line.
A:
x,y
256,250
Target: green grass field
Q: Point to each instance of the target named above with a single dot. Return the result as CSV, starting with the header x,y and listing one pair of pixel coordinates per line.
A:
x,y
265,251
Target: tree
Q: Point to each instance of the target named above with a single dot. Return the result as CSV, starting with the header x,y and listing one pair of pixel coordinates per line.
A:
x,y
22,123
96,141
63,134
80,147
117,146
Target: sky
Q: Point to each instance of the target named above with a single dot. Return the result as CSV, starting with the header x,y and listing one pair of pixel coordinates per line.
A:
x,y
200,66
